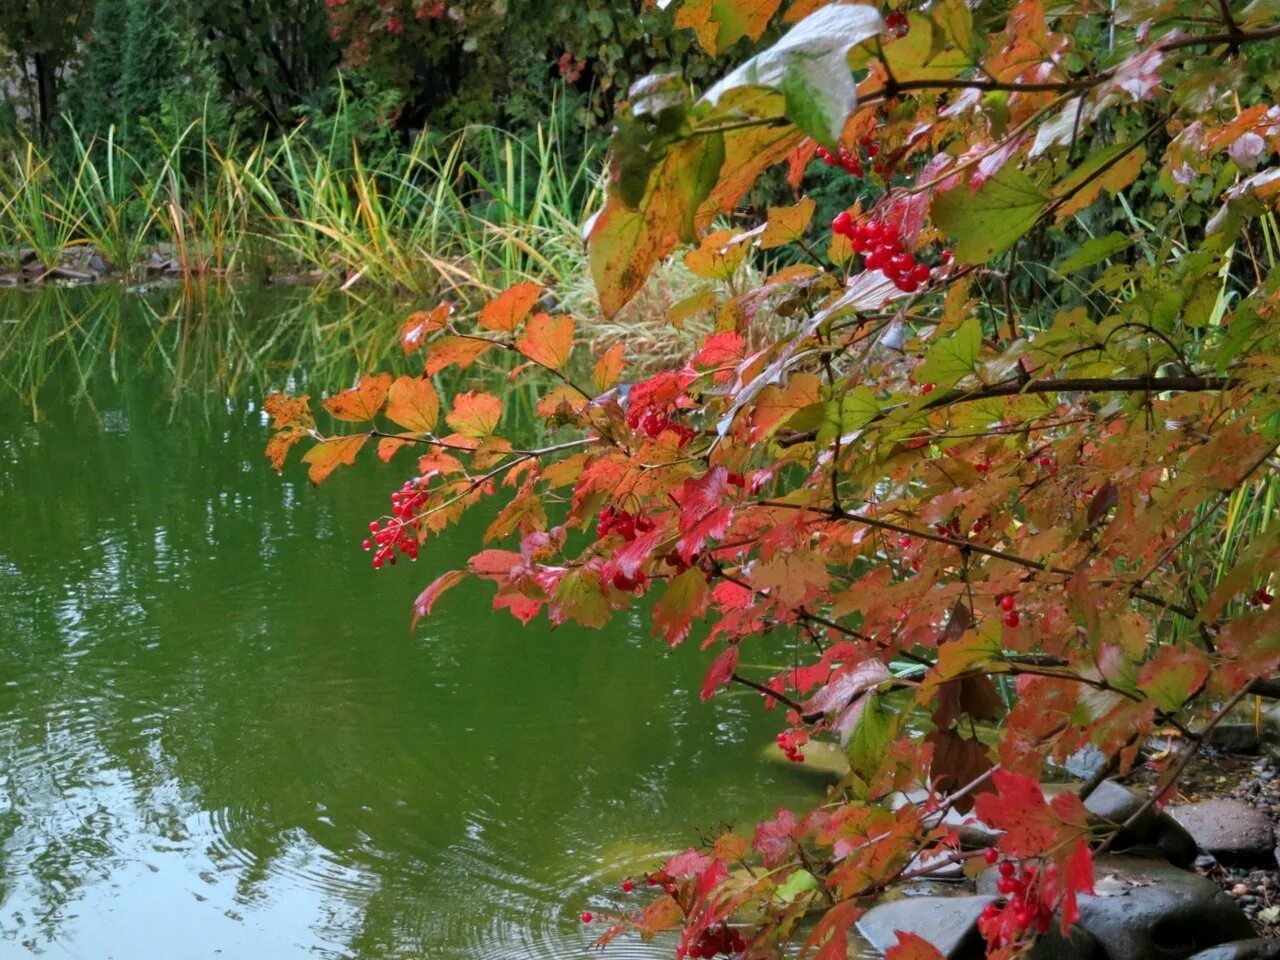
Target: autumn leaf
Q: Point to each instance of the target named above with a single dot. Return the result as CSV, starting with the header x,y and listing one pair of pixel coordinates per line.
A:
x,y
912,946
609,368
327,455
787,224
420,325
1173,676
508,309
579,597
363,401
475,414
988,222
720,672
1032,827
413,404
548,340
428,597
451,351
684,599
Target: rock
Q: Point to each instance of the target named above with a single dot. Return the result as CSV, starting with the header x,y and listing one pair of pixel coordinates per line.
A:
x,y
821,759
1257,949
1146,909
1236,833
1234,737
1115,804
1270,732
951,925
1085,762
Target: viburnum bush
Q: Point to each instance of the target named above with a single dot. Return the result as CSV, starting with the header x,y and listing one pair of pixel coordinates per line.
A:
x,y
982,444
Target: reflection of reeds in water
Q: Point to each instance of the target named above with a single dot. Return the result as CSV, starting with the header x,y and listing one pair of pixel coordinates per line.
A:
x,y
476,210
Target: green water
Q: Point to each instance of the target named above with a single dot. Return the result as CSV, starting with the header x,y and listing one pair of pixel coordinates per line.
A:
x,y
218,736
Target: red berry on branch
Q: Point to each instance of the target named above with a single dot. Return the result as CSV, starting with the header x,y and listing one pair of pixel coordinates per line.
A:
x,y
927,388
1007,869
1012,619
898,24
587,917
991,855
627,886
1007,602
921,272
843,224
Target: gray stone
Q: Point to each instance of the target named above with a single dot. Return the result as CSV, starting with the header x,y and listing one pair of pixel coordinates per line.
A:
x,y
1085,762
1146,909
1112,803
1235,833
949,923
1234,737
1270,731
1257,949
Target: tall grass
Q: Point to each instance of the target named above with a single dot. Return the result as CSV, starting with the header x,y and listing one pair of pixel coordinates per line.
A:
x,y
472,211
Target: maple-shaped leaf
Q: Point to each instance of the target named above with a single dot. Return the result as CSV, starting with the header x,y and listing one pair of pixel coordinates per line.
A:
x,y
1173,676
548,340
957,762
787,224
989,221
450,351
912,946
1032,827
509,308
720,672
721,23
291,417
579,597
363,401
684,599
687,865
703,513
327,455
420,325
609,368
428,597
475,414
831,934
774,839
414,404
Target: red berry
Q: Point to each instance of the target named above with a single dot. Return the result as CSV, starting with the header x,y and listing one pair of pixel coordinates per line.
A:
x,y
366,545
991,855
627,886
874,259
1006,885
843,224
873,150
907,285
1007,602
373,526
926,388
897,24
1007,869
1012,619
587,917
921,272
946,256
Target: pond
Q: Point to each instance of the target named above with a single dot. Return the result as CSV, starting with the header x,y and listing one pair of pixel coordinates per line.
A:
x,y
219,736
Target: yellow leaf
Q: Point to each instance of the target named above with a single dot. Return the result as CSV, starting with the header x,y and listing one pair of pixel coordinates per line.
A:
x,y
787,224
414,404
327,455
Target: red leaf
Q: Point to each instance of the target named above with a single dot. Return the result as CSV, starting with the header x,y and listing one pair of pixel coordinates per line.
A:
x,y
1031,826
427,598
685,598
689,864
774,838
721,672
702,514
510,307
912,946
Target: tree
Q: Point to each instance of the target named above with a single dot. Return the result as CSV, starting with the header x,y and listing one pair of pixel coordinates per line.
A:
x,y
983,433
43,36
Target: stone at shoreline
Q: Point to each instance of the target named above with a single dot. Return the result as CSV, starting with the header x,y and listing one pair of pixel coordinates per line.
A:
x,y
1147,909
1114,804
1234,737
821,759
1085,762
1235,833
1256,949
951,925
1270,731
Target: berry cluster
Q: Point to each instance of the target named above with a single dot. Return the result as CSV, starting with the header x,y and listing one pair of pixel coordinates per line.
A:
x,y
789,742
845,159
624,524
652,423
1260,598
1010,607
401,531
715,941
881,248
1024,910
897,24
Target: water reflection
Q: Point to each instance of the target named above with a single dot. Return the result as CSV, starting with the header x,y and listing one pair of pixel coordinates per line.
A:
x,y
219,738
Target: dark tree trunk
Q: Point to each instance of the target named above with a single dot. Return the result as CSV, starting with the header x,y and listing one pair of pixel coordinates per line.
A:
x,y
47,93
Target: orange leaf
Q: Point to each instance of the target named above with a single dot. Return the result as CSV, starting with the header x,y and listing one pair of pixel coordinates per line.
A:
x,y
289,411
426,600
460,350
787,224
548,340
328,455
414,404
361,402
475,414
388,446
609,368
416,329
280,443
510,307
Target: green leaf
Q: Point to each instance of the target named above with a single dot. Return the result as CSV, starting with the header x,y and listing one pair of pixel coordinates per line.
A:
x,y
953,357
989,221
869,738
1093,251
799,882
810,68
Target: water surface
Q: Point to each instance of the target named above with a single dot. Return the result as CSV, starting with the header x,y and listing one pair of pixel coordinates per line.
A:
x,y
218,736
